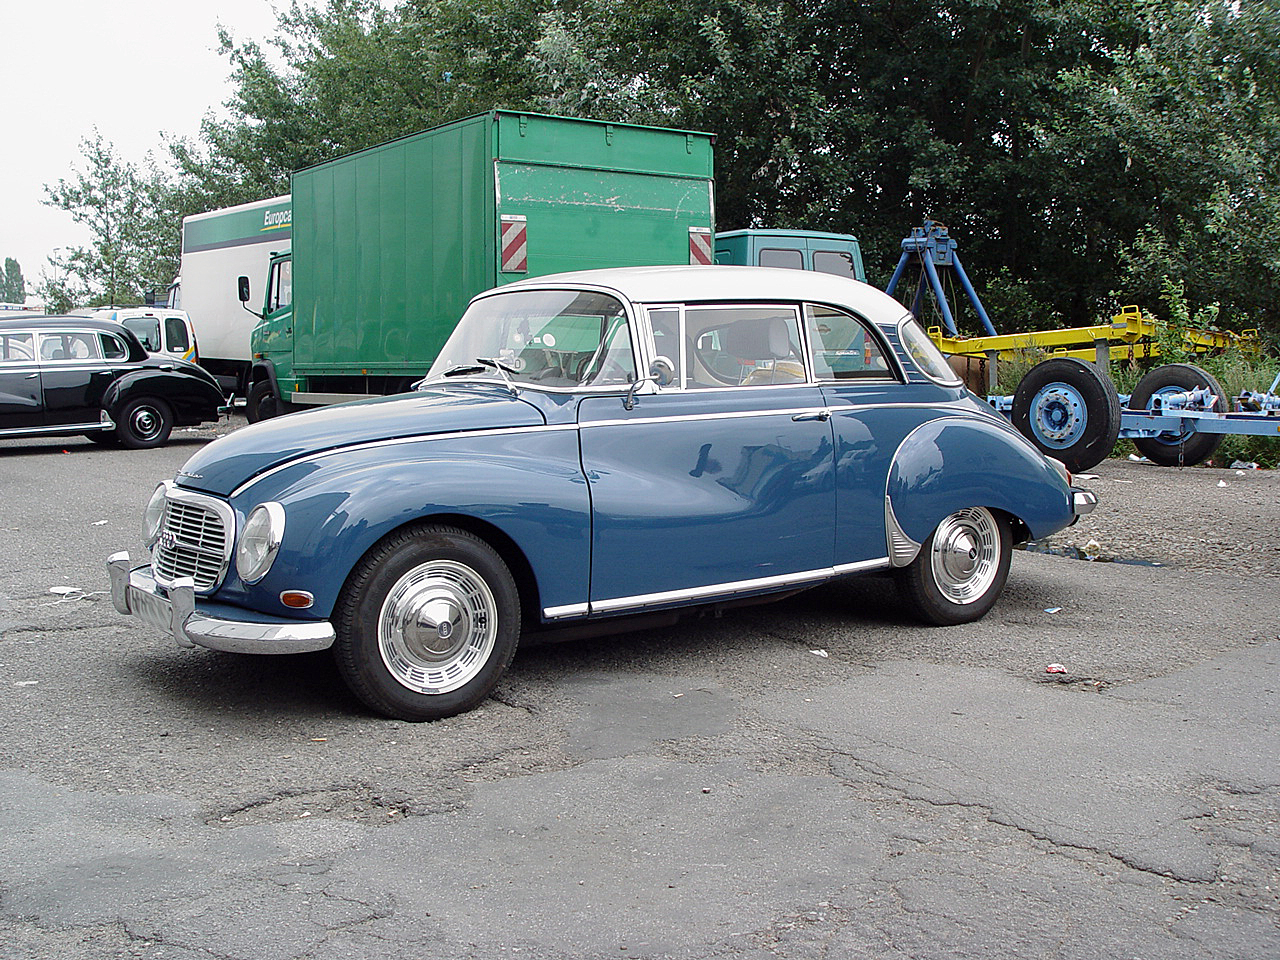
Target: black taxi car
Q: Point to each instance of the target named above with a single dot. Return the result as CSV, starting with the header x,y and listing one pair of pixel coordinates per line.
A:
x,y
77,375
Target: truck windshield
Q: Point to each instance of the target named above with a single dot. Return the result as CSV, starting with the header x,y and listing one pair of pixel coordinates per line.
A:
x,y
548,338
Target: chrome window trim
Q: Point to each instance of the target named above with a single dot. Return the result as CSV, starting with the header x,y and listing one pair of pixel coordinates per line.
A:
x,y
225,513
915,367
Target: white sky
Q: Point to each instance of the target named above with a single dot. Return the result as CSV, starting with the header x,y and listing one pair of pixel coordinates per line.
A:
x,y
132,69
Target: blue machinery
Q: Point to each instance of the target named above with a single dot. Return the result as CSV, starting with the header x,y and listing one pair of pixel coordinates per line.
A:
x,y
933,247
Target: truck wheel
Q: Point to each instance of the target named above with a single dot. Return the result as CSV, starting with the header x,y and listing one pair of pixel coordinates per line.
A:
x,y
1069,410
144,423
427,623
262,402
960,571
1177,447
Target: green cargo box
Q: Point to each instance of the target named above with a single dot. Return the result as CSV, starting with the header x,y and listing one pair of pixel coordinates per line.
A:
x,y
390,243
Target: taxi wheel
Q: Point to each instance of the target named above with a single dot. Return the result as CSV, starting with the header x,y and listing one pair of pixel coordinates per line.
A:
x,y
144,423
427,623
960,571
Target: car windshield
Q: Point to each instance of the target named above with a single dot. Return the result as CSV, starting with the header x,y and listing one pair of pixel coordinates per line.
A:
x,y
549,338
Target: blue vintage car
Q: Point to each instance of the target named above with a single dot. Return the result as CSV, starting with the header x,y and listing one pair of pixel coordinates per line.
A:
x,y
589,447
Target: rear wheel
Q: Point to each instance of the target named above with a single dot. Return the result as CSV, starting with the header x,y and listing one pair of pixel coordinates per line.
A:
x,y
427,623
1069,410
1180,448
961,570
144,423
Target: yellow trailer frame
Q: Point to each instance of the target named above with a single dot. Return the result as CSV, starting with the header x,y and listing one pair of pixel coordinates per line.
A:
x,y
1130,335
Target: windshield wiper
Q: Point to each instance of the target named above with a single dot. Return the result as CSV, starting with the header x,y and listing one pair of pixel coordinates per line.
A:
x,y
502,369
463,369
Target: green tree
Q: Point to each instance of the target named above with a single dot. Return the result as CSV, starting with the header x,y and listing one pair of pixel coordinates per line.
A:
x,y
134,242
13,289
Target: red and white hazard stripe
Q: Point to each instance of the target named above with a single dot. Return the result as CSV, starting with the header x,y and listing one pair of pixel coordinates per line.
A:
x,y
700,246
515,244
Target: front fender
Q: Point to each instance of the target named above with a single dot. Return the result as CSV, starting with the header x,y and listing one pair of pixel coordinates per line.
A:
x,y
527,485
947,465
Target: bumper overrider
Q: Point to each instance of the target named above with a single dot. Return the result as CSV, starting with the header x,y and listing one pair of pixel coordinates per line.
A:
x,y
1082,501
174,610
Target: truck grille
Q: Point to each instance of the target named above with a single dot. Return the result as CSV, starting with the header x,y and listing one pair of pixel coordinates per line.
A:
x,y
193,542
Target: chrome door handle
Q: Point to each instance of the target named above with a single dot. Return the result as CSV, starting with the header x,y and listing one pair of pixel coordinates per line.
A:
x,y
822,415
31,376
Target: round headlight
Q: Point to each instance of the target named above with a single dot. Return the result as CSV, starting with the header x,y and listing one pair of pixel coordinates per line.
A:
x,y
154,515
259,541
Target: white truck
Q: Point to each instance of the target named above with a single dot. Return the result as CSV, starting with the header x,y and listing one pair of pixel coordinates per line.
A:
x,y
217,248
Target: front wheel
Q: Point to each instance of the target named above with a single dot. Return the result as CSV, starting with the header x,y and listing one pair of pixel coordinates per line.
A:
x,y
427,623
960,571
144,423
261,403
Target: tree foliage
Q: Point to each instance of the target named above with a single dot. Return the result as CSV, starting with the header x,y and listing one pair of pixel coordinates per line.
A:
x,y
132,238
1081,151
13,288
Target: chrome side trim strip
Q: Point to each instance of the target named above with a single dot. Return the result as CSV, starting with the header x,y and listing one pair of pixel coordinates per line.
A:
x,y
711,590
703,417
52,429
862,566
569,610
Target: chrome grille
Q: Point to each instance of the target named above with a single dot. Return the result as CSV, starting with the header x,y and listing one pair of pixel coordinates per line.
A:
x,y
194,542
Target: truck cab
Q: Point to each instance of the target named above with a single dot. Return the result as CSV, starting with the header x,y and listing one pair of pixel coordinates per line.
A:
x,y
271,343
834,253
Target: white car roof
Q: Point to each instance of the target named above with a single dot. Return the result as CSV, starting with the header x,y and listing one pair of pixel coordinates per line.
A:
x,y
710,283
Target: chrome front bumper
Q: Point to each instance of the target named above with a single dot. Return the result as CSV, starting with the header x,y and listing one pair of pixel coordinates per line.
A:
x,y
173,611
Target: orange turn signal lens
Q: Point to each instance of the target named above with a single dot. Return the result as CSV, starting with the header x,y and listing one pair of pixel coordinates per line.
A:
x,y
298,599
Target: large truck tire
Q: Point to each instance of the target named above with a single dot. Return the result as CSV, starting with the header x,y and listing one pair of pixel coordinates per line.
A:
x,y
262,403
1181,448
1069,409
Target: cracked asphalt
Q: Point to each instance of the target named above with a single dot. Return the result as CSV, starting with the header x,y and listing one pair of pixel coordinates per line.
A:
x,y
815,778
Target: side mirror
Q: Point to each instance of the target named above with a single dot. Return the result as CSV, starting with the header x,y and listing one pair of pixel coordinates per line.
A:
x,y
244,289
662,371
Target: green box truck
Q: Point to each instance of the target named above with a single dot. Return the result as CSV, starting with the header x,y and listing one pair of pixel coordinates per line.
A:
x,y
390,244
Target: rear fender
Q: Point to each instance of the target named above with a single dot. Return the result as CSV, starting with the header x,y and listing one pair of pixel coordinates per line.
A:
x,y
947,465
192,399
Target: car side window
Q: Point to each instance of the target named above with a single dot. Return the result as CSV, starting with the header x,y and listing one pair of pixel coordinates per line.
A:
x,y
69,347
665,324
844,348
788,259
176,333
16,348
742,346
113,348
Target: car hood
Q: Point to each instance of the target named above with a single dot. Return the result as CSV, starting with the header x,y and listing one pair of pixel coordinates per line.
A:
x,y
230,461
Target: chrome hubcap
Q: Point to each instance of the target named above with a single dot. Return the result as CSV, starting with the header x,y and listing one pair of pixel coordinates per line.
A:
x,y
966,554
437,627
146,422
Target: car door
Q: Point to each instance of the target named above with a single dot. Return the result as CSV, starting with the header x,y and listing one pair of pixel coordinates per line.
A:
x,y
19,382
73,376
720,483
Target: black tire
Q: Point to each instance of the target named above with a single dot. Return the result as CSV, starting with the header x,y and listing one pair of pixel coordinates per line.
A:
x,y
1169,449
392,646
263,404
103,438
961,569
1069,409
144,423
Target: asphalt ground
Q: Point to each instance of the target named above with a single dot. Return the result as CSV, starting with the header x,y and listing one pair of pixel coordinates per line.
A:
x,y
818,777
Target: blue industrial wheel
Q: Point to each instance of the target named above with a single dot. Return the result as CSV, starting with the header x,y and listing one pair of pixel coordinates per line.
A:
x,y
1069,410
1180,448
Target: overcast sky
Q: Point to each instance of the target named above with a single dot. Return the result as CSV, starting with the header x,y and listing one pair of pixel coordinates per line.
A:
x,y
132,70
